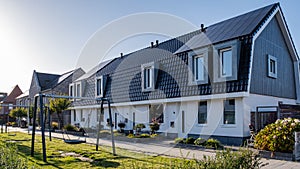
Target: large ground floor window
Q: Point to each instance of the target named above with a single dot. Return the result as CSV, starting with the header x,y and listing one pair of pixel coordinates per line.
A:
x,y
156,113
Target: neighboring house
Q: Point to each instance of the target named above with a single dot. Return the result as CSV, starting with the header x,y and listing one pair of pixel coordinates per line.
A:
x,y
23,99
53,84
10,99
205,83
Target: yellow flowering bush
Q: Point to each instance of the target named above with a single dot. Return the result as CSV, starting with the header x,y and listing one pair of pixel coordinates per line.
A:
x,y
278,136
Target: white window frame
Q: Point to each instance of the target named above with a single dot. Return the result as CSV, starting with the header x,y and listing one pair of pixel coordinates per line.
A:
x,y
151,66
272,68
229,124
101,86
192,56
197,67
222,74
148,77
234,46
72,90
80,89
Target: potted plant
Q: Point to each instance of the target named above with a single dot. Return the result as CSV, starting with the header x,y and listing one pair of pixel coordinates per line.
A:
x,y
121,125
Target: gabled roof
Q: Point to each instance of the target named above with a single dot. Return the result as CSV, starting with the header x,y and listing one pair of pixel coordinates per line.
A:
x,y
11,97
233,28
46,80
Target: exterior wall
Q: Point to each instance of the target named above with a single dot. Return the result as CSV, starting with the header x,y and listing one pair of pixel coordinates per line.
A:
x,y
271,41
34,86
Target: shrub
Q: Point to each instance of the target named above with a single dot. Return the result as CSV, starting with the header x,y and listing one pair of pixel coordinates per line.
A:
x,y
154,127
189,140
9,158
130,135
70,127
54,125
121,125
139,126
213,143
278,136
144,136
179,140
200,141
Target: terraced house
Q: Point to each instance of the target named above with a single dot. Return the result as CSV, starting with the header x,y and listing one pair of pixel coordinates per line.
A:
x,y
204,83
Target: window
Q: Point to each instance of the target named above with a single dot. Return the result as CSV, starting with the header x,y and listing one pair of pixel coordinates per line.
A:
x,y
71,90
202,112
74,115
148,76
199,67
197,62
78,90
272,66
99,87
156,113
229,111
226,62
81,116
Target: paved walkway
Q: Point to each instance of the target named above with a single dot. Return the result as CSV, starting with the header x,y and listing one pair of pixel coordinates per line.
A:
x,y
164,147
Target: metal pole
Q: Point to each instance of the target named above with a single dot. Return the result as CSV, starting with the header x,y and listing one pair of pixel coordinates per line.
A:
x,y
33,125
49,123
42,127
28,117
111,129
98,129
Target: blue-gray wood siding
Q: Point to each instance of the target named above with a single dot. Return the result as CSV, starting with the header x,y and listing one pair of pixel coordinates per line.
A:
x,y
271,42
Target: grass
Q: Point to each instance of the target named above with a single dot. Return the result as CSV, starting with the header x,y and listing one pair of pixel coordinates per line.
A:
x,y
84,155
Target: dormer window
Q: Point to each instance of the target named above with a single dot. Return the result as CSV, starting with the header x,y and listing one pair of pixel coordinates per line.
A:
x,y
198,66
149,74
78,89
99,86
272,66
71,90
225,61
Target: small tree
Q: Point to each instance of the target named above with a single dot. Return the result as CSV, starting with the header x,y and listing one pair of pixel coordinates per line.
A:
x,y
121,125
139,127
59,106
18,113
154,127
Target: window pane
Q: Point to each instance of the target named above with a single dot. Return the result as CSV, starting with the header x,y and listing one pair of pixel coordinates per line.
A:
x,y
226,62
202,113
98,86
71,91
156,113
78,90
229,111
199,68
147,78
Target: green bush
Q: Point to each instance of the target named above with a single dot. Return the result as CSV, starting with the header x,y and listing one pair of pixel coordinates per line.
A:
x,y
9,158
70,127
179,140
278,136
200,141
139,126
189,140
213,143
154,127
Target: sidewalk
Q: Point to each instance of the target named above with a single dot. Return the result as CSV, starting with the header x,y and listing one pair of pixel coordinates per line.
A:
x,y
164,147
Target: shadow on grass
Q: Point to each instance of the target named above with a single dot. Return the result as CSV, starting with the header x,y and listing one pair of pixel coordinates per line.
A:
x,y
105,163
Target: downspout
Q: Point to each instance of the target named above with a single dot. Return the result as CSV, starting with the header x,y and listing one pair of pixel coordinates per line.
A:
x,y
297,80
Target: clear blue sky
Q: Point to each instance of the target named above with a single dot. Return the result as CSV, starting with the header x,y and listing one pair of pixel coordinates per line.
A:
x,y
48,36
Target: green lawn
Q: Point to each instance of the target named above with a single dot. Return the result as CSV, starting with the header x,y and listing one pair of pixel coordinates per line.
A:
x,y
62,155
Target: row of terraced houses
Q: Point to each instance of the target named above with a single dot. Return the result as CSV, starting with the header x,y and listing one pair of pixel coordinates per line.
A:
x,y
208,83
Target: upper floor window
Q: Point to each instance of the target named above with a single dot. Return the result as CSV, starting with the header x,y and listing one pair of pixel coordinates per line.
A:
x,y
71,90
198,66
148,76
272,66
78,89
229,111
225,61
202,112
99,87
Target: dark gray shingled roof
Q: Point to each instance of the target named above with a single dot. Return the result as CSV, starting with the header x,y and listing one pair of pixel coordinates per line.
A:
x,y
46,80
124,73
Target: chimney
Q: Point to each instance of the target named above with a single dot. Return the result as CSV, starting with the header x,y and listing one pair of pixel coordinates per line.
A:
x,y
152,44
121,54
202,28
157,42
